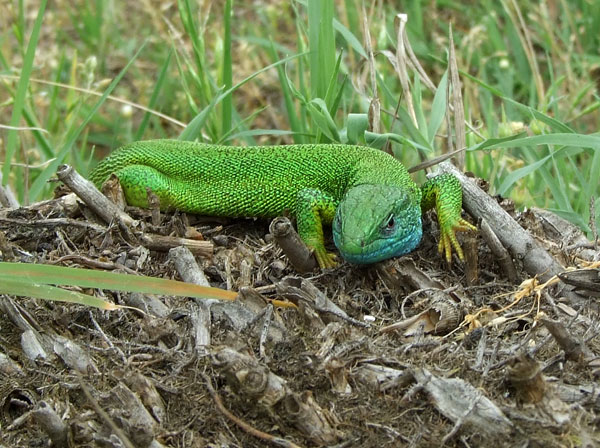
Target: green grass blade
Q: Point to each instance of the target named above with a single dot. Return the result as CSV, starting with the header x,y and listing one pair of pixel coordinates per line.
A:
x,y
438,108
514,176
193,129
47,292
295,123
486,144
354,20
331,86
185,85
553,180
356,125
320,114
413,131
340,95
417,95
375,140
40,183
154,98
88,278
189,24
350,38
240,128
53,117
578,140
581,202
20,97
594,171
227,82
527,110
321,45
19,26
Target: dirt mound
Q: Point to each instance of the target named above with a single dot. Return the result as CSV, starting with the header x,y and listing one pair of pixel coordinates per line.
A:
x,y
409,352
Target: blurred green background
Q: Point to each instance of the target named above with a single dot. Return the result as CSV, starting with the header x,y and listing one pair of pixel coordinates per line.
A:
x,y
529,68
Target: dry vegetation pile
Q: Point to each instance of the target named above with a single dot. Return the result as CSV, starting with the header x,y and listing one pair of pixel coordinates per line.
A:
x,y
410,352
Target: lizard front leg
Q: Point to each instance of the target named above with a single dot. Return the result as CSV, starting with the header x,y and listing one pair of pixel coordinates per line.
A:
x,y
444,192
313,209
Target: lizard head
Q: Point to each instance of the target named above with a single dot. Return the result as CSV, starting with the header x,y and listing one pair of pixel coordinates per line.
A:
x,y
376,222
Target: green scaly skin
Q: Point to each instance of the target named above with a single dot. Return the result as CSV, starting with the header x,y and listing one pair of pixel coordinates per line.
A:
x,y
374,205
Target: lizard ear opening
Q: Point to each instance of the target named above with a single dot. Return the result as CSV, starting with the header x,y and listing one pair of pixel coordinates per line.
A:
x,y
336,226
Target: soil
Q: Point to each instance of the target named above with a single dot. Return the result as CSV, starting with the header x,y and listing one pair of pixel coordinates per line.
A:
x,y
472,359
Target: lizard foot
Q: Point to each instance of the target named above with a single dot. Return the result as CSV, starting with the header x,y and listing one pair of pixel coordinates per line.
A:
x,y
325,259
448,237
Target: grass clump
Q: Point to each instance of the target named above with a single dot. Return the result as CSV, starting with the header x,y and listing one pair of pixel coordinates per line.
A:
x,y
338,73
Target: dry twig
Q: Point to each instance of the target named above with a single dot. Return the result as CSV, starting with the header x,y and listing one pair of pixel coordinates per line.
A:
x,y
242,424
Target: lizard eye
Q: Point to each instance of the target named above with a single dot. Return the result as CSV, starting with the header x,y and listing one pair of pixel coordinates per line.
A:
x,y
390,223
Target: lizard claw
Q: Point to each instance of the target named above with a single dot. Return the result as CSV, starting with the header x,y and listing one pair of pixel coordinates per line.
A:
x,y
325,259
448,237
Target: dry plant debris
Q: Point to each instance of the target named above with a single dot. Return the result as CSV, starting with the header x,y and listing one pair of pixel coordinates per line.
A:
x,y
403,353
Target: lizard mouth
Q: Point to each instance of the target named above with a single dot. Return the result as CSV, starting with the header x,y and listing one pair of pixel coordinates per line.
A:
x,y
359,252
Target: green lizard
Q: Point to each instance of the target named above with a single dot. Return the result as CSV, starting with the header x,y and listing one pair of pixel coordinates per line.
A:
x,y
368,196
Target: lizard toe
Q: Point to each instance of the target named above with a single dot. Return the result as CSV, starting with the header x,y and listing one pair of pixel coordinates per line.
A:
x,y
326,259
448,238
